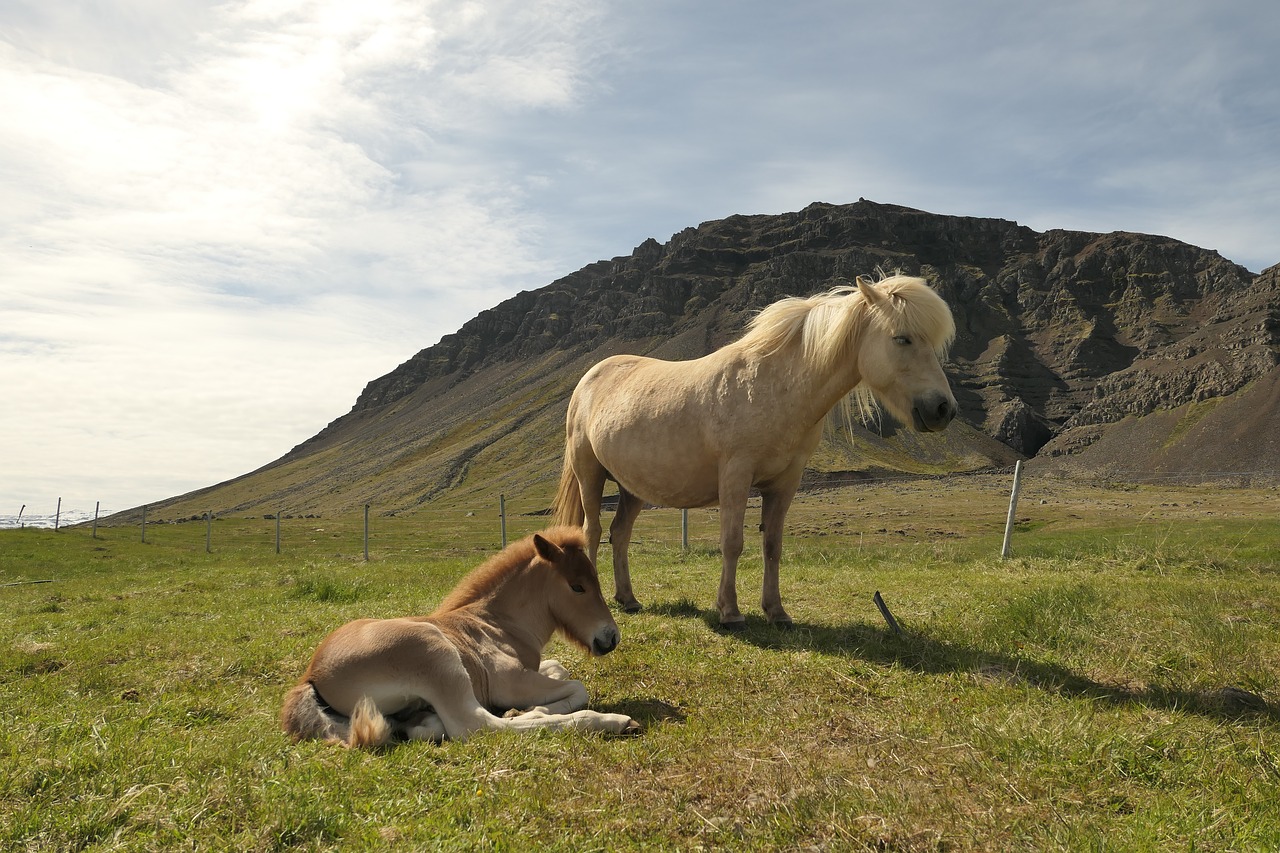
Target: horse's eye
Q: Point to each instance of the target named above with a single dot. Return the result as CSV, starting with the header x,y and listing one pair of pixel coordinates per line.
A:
x,y
902,340
578,588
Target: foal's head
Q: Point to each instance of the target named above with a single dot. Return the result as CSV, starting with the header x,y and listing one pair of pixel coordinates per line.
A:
x,y
573,590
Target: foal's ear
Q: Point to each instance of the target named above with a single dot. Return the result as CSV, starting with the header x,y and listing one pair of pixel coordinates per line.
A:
x,y
547,550
869,291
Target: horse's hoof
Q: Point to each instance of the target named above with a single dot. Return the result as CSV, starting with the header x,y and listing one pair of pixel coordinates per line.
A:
x,y
784,624
632,728
631,607
734,627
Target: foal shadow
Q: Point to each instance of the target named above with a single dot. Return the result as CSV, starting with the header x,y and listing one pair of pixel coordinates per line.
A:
x,y
646,712
924,654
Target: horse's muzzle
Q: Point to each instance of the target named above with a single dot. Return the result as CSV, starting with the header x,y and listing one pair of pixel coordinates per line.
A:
x,y
933,414
605,640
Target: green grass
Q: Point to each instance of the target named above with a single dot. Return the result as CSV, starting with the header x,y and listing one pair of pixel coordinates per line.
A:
x,y
1072,697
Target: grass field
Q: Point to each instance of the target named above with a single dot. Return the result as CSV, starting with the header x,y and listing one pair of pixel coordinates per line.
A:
x,y
1113,686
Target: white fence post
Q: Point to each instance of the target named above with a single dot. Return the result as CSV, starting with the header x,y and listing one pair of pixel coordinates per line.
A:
x,y
1013,509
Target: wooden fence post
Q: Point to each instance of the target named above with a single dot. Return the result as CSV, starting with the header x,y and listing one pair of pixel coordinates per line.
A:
x,y
1013,509
502,517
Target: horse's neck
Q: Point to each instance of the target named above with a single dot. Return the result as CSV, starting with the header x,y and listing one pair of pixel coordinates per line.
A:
x,y
516,613
808,394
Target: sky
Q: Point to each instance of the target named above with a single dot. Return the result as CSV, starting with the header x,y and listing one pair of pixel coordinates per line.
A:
x,y
219,221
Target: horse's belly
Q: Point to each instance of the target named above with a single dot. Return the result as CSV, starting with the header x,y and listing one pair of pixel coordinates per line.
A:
x,y
674,489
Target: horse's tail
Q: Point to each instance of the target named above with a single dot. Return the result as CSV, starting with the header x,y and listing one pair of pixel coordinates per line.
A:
x,y
568,506
303,718
369,729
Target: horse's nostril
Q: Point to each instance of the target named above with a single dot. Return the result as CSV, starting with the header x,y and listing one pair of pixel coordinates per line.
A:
x,y
606,641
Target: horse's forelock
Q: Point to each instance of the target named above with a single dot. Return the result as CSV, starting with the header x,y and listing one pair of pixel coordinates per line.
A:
x,y
916,309
828,324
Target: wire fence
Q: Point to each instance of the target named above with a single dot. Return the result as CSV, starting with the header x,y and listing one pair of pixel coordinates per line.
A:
x,y
1001,505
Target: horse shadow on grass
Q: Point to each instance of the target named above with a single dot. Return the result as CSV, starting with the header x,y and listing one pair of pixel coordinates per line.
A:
x,y
917,651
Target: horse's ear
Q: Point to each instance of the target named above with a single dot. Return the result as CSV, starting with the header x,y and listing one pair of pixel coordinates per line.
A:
x,y
869,291
547,550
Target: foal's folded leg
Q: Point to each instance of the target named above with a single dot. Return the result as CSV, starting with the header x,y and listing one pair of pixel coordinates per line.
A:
x,y
425,726
526,690
552,668
592,721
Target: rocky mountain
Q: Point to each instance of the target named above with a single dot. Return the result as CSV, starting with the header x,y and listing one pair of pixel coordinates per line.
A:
x,y
1125,353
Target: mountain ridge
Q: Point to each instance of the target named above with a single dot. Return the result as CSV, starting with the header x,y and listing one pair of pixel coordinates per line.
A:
x,y
1061,336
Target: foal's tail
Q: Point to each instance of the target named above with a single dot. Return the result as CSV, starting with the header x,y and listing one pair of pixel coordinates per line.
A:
x,y
568,506
303,718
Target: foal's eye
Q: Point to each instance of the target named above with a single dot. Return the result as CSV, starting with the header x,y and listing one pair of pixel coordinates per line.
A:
x,y
902,340
578,588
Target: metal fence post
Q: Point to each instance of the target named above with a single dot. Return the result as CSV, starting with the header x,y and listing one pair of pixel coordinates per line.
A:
x,y
366,533
684,530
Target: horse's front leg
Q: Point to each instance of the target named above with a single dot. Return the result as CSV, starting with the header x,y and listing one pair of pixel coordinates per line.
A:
x,y
733,509
548,691
772,516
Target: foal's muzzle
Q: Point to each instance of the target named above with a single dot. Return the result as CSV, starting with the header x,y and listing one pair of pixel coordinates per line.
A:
x,y
605,640
933,413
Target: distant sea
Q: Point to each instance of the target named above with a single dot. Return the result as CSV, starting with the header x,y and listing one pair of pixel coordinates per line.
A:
x,y
28,519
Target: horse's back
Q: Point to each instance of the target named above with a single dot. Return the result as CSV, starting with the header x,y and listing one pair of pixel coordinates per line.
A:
x,y
650,423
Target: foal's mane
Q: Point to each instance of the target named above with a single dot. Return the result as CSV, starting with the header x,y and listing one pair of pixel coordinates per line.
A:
x,y
829,324
492,573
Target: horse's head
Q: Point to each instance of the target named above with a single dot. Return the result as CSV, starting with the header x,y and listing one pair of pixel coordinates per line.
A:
x,y
909,329
577,603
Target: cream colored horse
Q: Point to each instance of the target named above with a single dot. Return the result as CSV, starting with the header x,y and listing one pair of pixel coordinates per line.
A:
x,y
444,675
694,433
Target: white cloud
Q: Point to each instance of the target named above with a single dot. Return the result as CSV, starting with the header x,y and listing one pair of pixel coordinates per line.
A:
x,y
220,221
209,254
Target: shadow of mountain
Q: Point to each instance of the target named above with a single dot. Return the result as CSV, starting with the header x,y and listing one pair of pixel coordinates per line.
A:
x,y
921,653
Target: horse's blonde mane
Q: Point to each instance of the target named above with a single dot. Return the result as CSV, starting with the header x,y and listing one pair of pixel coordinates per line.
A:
x,y
491,574
828,326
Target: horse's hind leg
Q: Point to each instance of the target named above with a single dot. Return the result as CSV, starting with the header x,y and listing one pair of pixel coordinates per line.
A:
x,y
629,507
591,476
733,508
